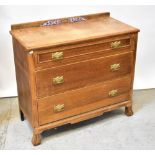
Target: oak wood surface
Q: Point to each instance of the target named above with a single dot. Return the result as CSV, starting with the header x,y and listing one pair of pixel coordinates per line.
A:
x,y
32,89
64,20
82,117
83,99
82,74
99,26
85,66
85,43
44,57
134,48
22,78
78,58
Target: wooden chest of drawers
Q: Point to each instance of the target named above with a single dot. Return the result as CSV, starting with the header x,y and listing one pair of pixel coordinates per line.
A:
x,y
73,69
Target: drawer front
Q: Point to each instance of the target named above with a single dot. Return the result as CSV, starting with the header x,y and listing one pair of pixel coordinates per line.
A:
x,y
59,57
60,79
82,100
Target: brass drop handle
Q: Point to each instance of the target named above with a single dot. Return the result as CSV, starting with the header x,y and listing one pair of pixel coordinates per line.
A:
x,y
115,67
113,93
57,56
58,80
59,107
115,44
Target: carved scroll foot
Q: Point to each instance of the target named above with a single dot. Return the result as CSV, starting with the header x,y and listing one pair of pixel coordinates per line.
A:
x,y
36,139
21,115
128,111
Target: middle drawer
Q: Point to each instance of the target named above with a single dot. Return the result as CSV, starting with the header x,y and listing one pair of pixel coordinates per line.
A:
x,y
60,79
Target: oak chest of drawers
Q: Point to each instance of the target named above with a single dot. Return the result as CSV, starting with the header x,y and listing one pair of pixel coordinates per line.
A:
x,y
72,69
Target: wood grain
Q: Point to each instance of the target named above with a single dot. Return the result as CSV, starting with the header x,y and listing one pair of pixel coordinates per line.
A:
x,y
64,21
85,66
82,74
99,26
43,58
22,78
80,58
91,97
82,50
81,117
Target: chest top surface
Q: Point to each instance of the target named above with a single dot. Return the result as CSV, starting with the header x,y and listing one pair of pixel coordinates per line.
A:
x,y
47,33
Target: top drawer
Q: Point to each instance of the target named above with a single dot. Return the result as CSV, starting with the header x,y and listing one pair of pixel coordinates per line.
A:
x,y
56,57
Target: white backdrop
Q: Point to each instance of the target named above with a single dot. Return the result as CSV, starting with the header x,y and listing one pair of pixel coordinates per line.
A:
x,y
142,17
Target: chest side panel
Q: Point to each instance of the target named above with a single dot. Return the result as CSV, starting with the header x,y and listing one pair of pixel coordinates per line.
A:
x,y
22,78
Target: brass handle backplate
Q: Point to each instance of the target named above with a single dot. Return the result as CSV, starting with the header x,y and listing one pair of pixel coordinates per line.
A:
x,y
115,44
58,80
59,107
113,92
115,67
57,56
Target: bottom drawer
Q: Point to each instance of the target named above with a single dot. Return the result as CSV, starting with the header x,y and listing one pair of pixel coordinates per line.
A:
x,y
82,100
